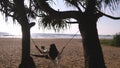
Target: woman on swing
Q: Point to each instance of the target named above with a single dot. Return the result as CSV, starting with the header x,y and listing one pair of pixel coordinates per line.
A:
x,y
51,54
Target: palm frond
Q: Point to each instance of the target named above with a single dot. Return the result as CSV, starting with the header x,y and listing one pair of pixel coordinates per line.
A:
x,y
72,3
52,23
7,8
112,4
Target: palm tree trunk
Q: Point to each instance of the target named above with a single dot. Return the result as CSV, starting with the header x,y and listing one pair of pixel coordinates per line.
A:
x,y
25,43
26,61
92,49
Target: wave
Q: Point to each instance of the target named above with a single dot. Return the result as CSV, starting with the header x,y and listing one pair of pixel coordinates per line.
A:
x,y
47,35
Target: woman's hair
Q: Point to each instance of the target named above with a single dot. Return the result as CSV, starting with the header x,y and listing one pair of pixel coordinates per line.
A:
x,y
53,52
42,47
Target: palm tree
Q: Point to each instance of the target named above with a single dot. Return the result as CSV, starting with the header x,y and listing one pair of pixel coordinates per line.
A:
x,y
20,12
87,20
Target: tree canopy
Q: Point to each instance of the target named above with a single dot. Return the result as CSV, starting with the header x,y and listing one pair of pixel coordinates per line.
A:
x,y
35,8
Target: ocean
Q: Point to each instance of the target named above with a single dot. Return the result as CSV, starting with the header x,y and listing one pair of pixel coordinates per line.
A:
x,y
48,35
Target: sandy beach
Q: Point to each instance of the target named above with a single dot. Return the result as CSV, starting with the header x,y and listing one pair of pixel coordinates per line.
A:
x,y
72,56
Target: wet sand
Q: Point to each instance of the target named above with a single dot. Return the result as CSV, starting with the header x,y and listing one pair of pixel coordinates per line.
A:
x,y
72,56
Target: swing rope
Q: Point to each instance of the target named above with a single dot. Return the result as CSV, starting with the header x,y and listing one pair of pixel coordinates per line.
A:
x,y
68,42
36,46
63,46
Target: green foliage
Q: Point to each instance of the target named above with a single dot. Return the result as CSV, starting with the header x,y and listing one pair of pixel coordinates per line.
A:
x,y
112,42
116,40
106,41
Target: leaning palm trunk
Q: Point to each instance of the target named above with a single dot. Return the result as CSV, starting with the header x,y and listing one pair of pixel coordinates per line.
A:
x,y
92,49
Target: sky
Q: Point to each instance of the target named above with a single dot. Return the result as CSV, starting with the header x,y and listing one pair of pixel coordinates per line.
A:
x,y
106,26
15,28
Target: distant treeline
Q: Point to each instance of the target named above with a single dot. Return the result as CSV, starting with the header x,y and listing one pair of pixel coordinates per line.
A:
x,y
113,42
